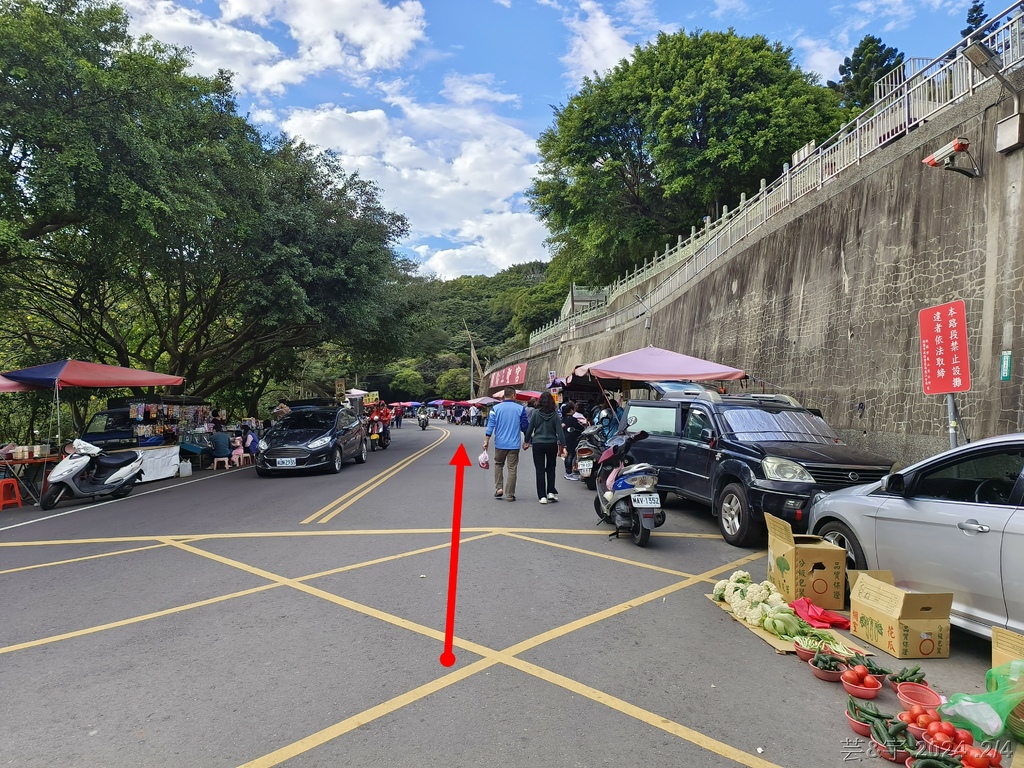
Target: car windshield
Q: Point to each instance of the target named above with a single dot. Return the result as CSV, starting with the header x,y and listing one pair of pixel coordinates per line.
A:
x,y
765,425
321,421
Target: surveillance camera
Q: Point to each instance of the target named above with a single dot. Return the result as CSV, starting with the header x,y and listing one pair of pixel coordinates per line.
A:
x,y
942,155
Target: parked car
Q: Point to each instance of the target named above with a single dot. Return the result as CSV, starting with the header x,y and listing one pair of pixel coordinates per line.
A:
x,y
312,437
747,455
950,523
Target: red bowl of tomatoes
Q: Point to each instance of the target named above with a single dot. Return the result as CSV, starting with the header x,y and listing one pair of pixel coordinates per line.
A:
x,y
860,683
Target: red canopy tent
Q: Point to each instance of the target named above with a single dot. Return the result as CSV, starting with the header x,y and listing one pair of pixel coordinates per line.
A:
x,y
10,385
75,373
655,364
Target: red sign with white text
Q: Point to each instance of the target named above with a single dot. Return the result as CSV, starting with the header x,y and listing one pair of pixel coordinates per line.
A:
x,y
944,361
509,377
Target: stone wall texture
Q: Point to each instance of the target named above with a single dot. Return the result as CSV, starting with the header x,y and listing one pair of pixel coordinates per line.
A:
x,y
822,302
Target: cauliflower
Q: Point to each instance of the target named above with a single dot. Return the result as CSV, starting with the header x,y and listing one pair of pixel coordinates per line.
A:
x,y
719,591
769,586
731,588
738,603
740,577
775,600
756,594
754,615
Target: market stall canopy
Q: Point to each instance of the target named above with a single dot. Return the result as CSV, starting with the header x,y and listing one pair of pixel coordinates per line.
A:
x,y
75,373
653,364
484,400
526,395
10,385
357,392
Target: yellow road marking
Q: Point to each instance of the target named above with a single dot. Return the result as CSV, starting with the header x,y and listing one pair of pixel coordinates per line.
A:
x,y
82,559
346,532
645,716
133,620
358,492
386,708
601,555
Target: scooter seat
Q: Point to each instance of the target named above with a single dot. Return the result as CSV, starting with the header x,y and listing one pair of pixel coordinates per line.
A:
x,y
115,460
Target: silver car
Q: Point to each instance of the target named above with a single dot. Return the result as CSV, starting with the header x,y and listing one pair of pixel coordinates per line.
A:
x,y
951,523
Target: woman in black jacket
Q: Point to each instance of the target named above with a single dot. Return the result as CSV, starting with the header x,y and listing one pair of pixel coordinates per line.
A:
x,y
548,440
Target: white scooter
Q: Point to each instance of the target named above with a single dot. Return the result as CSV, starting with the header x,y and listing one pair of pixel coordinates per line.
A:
x,y
88,472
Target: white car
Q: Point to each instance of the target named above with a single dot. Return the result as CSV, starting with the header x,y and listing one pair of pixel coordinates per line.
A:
x,y
951,523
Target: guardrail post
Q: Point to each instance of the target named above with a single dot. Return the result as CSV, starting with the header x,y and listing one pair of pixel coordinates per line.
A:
x,y
764,201
789,182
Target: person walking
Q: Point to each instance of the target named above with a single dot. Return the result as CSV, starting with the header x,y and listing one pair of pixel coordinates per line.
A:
x,y
545,433
398,413
507,422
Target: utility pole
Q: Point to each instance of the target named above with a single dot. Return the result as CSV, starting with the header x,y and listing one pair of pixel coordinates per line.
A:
x,y
474,365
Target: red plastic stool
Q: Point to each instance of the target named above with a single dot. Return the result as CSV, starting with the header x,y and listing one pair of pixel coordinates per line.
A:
x,y
8,499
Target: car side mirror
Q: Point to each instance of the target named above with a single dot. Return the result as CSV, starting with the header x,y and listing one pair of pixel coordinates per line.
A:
x,y
894,484
707,435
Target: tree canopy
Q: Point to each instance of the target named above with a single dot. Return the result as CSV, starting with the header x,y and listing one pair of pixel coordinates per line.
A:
x,y
644,152
859,72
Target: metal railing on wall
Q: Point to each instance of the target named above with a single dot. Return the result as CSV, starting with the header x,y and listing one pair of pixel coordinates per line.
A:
x,y
912,93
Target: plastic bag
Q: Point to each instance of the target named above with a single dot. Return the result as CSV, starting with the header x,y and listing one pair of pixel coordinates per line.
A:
x,y
484,460
984,714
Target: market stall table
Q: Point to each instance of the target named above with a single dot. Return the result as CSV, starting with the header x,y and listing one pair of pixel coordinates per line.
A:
x,y
30,474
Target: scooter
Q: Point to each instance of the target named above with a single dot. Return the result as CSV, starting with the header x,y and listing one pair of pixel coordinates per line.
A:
x,y
627,494
423,421
380,436
87,471
591,446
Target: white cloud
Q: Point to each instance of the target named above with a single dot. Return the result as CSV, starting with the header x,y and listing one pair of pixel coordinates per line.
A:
x,y
730,9
897,13
506,3
465,89
350,37
456,172
820,57
597,44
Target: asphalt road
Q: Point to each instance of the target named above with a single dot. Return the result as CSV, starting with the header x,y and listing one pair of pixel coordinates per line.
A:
x,y
229,620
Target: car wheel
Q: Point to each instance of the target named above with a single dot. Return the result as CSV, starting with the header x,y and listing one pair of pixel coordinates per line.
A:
x,y
835,532
336,461
361,456
734,519
261,472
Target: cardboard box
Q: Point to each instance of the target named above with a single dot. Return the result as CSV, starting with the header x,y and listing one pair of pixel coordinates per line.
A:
x,y
1007,646
805,566
907,625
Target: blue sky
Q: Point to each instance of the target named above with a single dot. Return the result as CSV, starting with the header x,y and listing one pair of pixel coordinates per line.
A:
x,y
441,101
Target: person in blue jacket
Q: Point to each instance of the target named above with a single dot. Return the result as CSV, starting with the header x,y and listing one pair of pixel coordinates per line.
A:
x,y
507,422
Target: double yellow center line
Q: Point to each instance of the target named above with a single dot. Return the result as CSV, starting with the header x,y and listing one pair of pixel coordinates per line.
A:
x,y
344,502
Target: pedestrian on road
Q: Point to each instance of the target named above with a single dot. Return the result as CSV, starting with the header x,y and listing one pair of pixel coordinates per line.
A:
x,y
507,422
398,414
545,433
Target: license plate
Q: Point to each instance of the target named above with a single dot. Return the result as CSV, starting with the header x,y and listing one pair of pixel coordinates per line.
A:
x,y
586,465
645,499
286,462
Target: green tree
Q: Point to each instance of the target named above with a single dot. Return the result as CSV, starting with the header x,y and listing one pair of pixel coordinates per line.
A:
x,y
641,154
454,384
976,18
408,381
870,60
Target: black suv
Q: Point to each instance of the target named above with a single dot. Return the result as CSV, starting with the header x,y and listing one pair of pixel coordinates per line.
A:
x,y
312,437
747,455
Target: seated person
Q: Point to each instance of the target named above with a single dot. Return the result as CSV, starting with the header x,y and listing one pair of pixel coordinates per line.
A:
x,y
221,443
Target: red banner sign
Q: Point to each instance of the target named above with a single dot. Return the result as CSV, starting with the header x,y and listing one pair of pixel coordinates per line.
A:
x,y
944,362
509,377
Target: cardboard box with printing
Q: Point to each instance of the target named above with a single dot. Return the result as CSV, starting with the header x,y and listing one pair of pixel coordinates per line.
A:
x,y
805,566
907,625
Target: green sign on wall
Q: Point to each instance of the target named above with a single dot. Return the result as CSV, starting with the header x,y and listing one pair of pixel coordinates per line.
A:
x,y
1004,365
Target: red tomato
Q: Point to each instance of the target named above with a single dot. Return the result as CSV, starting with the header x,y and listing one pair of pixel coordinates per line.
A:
x,y
916,711
849,676
933,713
934,728
861,671
994,756
949,729
924,721
905,717
870,683
975,758
963,736
942,740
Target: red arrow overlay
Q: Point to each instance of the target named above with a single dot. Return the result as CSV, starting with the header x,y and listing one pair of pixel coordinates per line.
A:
x,y
460,461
